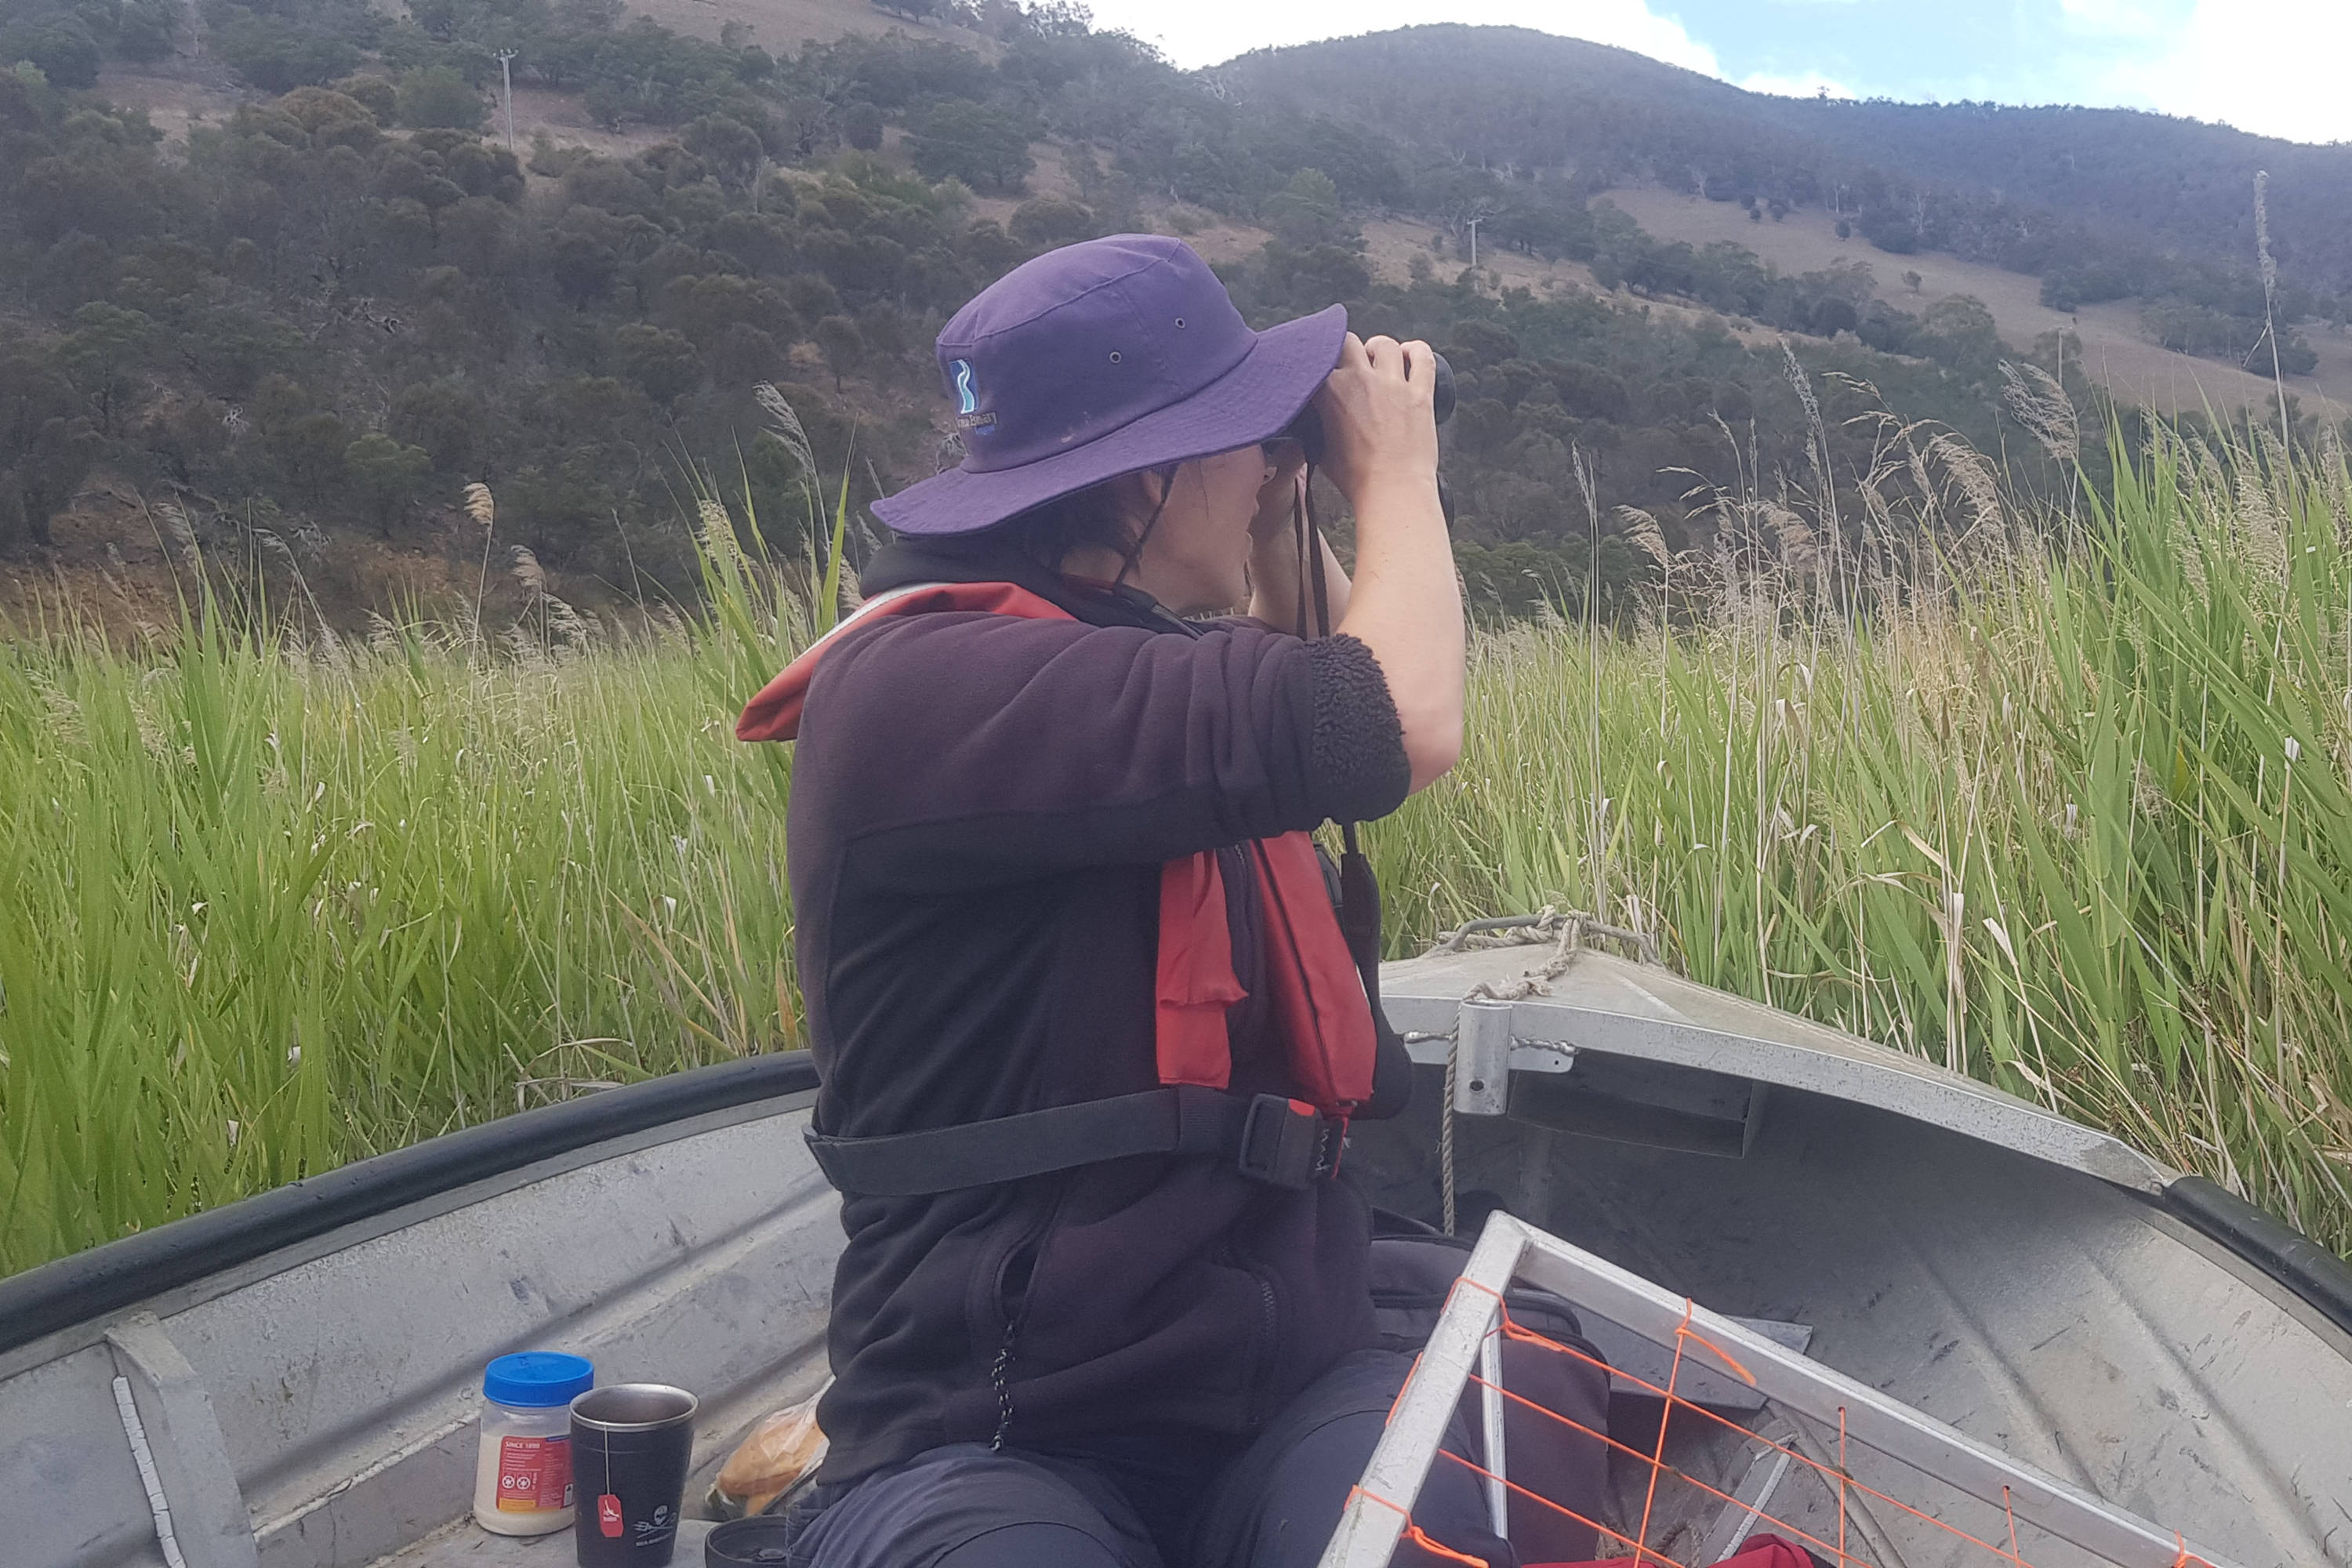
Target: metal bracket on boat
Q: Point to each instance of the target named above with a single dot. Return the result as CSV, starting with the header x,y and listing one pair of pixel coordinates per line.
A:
x,y
1485,1054
176,1439
1626,1098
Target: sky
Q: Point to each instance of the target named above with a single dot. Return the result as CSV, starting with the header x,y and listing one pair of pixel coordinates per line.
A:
x,y
2278,67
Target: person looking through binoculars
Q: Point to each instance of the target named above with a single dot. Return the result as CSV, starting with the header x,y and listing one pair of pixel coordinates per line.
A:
x,y
1091,1011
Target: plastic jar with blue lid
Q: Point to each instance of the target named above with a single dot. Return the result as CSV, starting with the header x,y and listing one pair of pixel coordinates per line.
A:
x,y
522,1474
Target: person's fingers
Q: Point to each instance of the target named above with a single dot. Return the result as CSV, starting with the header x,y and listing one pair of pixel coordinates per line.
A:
x,y
1414,366
1381,351
1419,367
1351,352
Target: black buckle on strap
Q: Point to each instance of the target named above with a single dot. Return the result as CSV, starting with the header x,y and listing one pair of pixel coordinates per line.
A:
x,y
1283,1142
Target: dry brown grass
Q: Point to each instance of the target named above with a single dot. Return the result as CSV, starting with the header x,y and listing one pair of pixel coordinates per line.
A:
x,y
781,25
2113,349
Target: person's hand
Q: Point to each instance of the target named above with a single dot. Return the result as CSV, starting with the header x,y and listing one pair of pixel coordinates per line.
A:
x,y
1380,436
1278,497
1379,426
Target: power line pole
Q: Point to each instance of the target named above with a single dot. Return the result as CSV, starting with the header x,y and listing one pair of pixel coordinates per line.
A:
x,y
506,77
1472,226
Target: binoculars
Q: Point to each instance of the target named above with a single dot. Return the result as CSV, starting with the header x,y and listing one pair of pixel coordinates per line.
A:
x,y
1308,428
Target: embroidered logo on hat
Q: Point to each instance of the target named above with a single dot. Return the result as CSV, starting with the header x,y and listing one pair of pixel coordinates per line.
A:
x,y
968,417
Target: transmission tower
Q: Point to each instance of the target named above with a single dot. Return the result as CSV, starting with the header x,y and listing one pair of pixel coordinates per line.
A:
x,y
505,79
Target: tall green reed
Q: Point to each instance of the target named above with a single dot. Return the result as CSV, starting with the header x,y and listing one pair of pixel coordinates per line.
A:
x,y
2067,815
270,913
275,901
2052,798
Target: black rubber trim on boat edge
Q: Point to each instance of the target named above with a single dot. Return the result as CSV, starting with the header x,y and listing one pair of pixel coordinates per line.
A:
x,y
120,1274
2269,1243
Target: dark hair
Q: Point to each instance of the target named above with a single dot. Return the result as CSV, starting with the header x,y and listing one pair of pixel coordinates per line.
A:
x,y
1048,532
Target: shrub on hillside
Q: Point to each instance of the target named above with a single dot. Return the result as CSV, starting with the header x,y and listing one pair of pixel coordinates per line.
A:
x,y
970,142
60,45
439,97
1891,229
861,126
1047,221
279,45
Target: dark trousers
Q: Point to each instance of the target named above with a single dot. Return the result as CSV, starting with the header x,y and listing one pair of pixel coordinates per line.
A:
x,y
1271,1502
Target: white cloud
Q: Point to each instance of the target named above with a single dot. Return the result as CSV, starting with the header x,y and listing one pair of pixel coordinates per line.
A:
x,y
2119,18
1803,84
2273,67
1204,32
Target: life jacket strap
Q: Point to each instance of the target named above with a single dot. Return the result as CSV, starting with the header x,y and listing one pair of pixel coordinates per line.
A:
x,y
1269,1138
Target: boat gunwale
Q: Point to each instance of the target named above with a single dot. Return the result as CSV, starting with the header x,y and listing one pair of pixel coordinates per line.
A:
x,y
1855,1071
2276,1250
87,1287
1831,1061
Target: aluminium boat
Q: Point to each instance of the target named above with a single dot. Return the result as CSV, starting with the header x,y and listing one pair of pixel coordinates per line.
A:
x,y
303,1368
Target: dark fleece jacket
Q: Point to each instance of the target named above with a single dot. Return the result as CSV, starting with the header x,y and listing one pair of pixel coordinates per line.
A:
x,y
980,807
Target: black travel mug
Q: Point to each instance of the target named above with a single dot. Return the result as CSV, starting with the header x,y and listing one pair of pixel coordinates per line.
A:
x,y
762,1541
631,1446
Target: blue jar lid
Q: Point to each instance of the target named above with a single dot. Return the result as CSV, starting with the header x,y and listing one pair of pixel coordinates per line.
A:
x,y
536,1379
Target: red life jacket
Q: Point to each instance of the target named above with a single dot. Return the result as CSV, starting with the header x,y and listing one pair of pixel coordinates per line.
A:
x,y
1314,987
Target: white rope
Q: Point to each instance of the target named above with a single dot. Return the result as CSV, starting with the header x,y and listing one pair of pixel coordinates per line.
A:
x,y
1452,1038
1446,1126
1569,927
1566,931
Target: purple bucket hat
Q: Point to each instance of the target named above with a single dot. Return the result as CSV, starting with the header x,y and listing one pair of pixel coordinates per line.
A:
x,y
1101,359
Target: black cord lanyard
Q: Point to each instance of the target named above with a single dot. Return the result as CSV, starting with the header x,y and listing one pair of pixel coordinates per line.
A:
x,y
1314,585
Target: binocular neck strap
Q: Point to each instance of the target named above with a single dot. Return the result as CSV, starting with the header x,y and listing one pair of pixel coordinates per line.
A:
x,y
1315,589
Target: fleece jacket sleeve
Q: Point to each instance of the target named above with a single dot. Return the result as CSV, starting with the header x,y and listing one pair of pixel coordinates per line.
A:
x,y
956,750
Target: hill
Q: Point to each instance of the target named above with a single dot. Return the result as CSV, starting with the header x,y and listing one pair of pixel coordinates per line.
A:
x,y
186,81
785,26
2037,189
2110,337
294,323
2146,222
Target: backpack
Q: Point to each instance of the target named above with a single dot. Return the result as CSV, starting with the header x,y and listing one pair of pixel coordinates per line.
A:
x,y
1412,1271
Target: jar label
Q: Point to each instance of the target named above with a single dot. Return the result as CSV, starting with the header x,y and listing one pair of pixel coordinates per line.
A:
x,y
534,1474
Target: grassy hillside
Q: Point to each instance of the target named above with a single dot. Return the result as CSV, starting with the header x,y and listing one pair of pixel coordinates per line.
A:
x,y
309,321
784,25
2040,189
2110,338
329,295
2145,221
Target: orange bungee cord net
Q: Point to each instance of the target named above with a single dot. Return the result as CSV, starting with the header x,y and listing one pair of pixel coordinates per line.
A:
x,y
1708,1489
